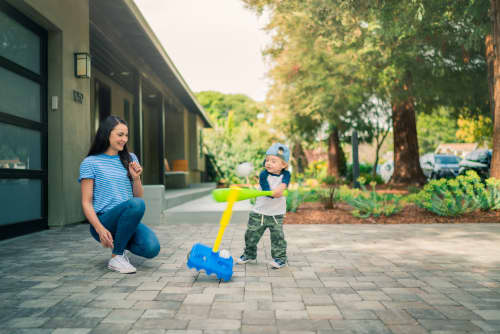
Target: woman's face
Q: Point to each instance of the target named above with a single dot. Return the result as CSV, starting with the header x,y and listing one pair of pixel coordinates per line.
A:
x,y
118,137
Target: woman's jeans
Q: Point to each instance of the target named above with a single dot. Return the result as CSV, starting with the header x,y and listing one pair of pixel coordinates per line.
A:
x,y
124,223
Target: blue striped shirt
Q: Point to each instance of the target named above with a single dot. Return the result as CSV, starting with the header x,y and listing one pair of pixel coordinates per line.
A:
x,y
111,183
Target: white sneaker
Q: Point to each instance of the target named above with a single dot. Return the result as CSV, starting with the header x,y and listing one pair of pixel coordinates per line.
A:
x,y
121,264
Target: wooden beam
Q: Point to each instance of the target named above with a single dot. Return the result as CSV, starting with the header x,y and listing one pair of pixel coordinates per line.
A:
x,y
138,118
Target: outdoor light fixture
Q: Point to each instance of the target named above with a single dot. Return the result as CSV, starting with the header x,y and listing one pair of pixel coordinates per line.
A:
x,y
82,65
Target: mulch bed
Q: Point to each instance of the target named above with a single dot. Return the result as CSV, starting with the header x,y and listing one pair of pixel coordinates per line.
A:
x,y
313,213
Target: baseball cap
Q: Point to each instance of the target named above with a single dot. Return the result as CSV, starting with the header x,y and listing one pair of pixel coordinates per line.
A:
x,y
279,150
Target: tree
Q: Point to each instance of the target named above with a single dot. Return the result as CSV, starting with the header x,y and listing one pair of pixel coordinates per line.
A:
x,y
239,133
439,126
415,54
218,105
315,81
475,130
495,18
435,53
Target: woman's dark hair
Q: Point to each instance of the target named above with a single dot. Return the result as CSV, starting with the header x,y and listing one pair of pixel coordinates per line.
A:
x,y
101,141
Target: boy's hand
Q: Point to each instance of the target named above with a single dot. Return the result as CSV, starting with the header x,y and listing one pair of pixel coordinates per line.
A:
x,y
278,192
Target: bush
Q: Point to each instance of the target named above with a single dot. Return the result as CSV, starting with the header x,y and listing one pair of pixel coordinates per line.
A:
x,y
363,169
490,196
301,195
293,200
331,195
464,194
367,204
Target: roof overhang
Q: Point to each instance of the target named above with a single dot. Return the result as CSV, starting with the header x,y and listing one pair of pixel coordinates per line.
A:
x,y
137,37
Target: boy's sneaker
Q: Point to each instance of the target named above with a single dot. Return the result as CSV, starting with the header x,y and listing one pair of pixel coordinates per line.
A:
x,y
121,264
277,263
243,259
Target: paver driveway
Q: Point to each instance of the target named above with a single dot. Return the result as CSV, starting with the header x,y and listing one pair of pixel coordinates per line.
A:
x,y
341,279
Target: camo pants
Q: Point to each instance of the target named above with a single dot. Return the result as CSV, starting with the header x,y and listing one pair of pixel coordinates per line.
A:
x,y
257,225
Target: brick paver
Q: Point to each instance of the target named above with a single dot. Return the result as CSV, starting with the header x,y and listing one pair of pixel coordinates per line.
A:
x,y
340,279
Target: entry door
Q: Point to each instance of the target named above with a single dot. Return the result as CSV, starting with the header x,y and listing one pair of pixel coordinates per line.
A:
x,y
23,124
102,107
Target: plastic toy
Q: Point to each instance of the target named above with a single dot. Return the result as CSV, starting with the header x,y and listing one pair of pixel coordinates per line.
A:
x,y
209,259
222,194
203,257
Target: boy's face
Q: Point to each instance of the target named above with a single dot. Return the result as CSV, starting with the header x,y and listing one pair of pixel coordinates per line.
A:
x,y
274,164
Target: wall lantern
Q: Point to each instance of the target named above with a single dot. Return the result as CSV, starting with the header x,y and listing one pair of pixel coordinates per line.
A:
x,y
82,65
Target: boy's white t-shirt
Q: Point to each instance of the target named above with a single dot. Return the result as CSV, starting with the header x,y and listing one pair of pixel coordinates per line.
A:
x,y
269,206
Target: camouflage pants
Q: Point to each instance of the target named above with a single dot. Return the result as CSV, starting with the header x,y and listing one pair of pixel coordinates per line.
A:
x,y
257,225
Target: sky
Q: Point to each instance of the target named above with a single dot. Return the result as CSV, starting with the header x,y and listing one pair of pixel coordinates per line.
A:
x,y
215,44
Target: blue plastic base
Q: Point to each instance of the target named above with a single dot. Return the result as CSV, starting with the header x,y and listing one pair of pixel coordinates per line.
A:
x,y
202,257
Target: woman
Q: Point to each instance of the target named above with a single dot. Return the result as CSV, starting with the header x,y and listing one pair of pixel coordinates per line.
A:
x,y
111,196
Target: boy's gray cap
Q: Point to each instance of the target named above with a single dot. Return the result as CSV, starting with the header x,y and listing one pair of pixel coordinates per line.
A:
x,y
279,150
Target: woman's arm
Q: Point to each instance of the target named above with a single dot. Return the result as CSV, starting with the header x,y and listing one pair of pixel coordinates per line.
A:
x,y
135,171
137,188
105,236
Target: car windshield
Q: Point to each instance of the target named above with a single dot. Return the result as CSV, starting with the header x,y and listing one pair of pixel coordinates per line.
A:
x,y
478,155
446,159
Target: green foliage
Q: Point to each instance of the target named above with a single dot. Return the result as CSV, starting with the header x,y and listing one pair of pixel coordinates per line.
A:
x,y
435,128
330,195
490,195
294,199
238,135
365,171
316,170
454,197
331,57
219,105
369,203
476,130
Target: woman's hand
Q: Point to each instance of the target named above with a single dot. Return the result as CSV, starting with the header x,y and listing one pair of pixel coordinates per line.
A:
x,y
135,170
105,237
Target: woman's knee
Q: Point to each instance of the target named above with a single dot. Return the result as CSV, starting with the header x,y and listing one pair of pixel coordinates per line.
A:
x,y
153,249
137,205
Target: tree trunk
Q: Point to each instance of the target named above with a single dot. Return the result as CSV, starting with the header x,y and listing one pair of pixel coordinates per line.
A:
x,y
375,164
299,157
380,142
495,161
334,153
406,156
490,61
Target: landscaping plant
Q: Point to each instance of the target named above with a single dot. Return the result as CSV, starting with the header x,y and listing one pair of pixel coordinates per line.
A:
x,y
369,203
464,194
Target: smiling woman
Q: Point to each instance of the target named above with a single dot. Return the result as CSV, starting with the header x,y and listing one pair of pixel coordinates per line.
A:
x,y
112,193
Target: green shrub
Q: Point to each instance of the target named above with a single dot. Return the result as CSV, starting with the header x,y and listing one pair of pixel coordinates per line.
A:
x,y
330,195
370,203
464,194
490,196
293,200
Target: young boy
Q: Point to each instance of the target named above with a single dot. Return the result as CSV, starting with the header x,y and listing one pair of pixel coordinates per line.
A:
x,y
269,211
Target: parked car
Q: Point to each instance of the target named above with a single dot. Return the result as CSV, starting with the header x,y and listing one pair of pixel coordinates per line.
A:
x,y
437,166
478,161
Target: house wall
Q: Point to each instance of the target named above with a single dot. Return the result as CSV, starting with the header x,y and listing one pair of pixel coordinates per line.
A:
x,y
67,23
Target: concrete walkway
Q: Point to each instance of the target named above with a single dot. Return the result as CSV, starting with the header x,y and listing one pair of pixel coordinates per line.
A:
x,y
341,279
